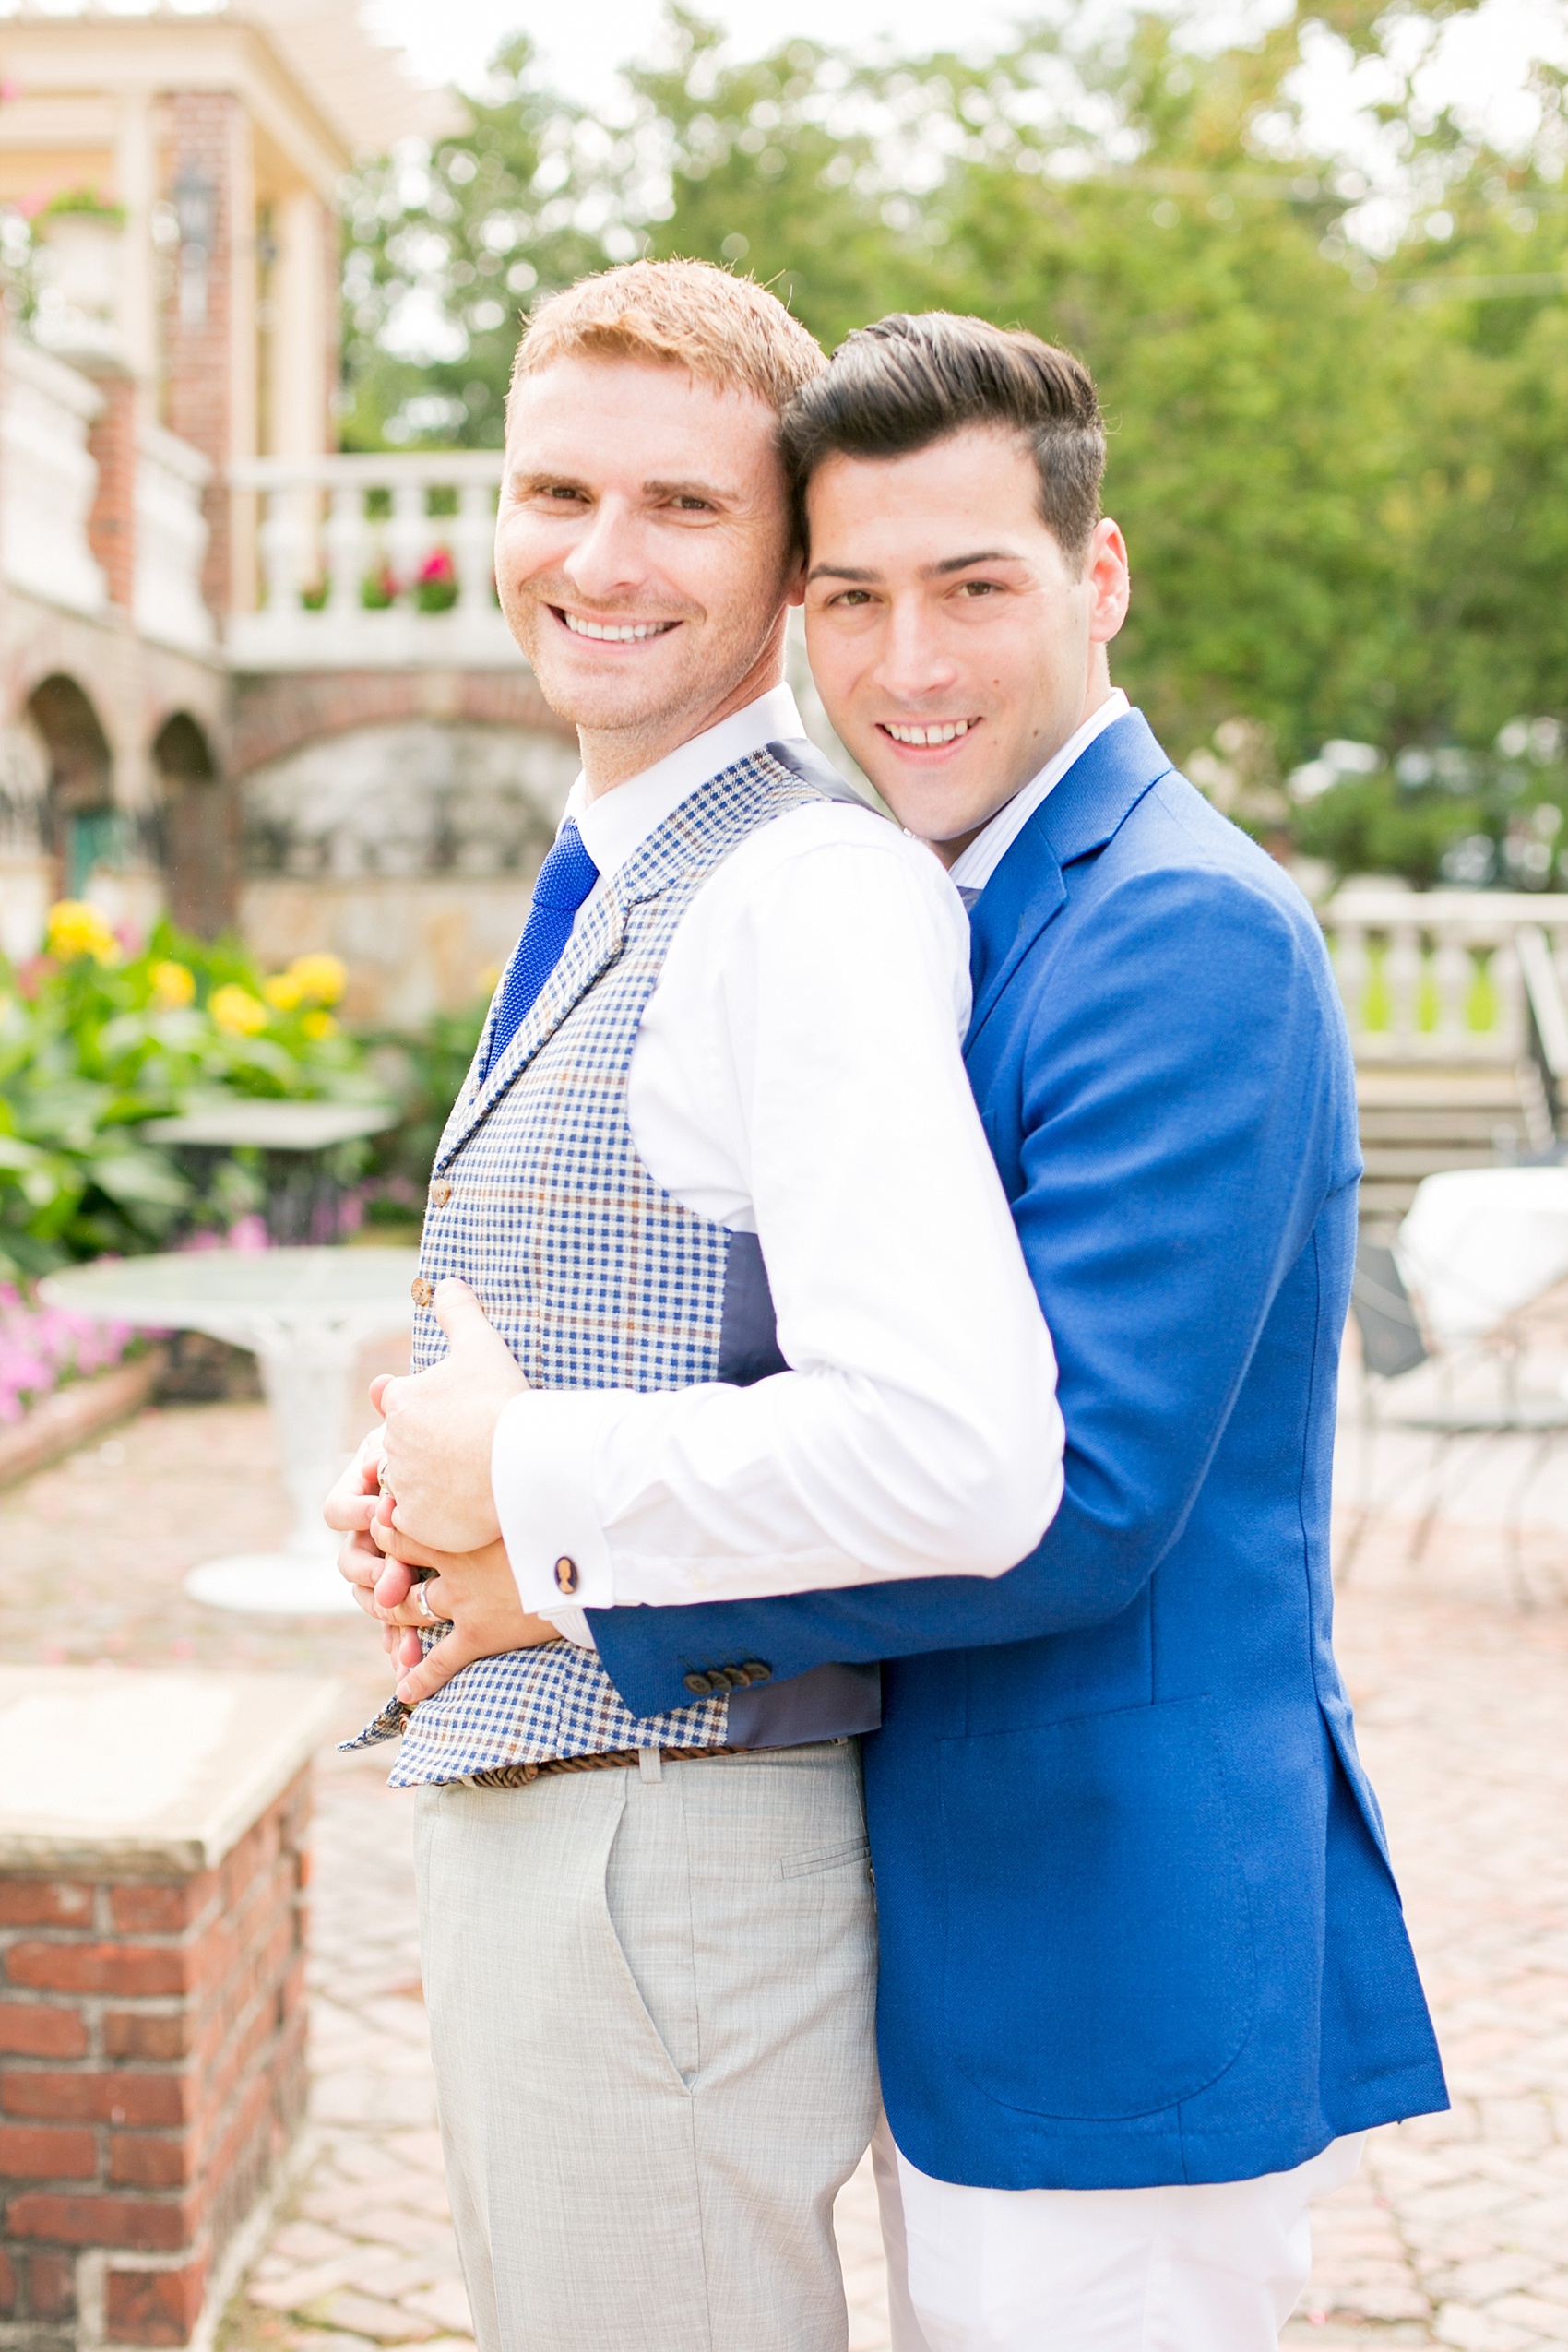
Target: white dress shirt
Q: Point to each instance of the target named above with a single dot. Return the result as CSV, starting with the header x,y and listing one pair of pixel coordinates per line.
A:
x,y
974,869
798,1075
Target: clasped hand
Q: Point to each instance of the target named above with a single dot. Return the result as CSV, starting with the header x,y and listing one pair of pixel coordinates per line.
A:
x,y
433,1454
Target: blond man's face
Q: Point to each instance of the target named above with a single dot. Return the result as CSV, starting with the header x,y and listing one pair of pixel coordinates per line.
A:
x,y
643,547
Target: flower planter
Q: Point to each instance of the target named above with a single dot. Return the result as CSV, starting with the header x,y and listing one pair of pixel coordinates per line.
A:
x,y
66,1419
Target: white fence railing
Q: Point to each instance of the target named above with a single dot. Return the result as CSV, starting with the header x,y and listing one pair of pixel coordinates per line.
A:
x,y
376,562
170,542
50,477
1448,975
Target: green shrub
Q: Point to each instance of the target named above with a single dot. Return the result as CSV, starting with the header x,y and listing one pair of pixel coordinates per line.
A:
x,y
95,1040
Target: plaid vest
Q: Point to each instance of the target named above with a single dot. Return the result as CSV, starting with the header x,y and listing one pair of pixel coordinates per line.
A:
x,y
592,1273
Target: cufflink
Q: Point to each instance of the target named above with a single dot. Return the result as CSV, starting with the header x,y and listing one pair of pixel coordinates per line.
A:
x,y
567,1577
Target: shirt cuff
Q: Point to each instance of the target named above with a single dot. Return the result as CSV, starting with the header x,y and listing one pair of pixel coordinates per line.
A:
x,y
541,1476
572,1625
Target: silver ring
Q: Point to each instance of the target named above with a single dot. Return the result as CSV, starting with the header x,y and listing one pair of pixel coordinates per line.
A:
x,y
421,1604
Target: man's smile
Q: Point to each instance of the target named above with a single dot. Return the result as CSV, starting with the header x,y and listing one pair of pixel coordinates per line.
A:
x,y
613,632
931,736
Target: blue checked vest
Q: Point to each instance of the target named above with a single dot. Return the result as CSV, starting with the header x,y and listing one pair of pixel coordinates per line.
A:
x,y
593,1274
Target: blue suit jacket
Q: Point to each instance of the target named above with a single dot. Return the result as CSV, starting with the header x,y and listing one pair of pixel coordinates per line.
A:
x,y
1137,1921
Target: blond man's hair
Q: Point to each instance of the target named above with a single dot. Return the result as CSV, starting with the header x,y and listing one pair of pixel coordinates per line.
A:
x,y
726,331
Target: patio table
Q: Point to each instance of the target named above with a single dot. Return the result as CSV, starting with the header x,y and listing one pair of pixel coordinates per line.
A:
x,y
306,1313
1479,1243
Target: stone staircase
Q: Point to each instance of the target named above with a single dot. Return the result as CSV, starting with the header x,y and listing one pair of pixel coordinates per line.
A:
x,y
1420,1117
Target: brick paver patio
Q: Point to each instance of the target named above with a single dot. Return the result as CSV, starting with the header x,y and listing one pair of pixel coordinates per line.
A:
x,y
1454,2234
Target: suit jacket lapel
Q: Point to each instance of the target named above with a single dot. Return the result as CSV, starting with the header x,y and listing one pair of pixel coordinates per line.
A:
x,y
1028,890
593,946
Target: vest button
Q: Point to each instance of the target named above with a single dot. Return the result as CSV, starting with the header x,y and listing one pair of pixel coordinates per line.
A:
x,y
440,1190
422,1289
757,1669
699,1685
566,1575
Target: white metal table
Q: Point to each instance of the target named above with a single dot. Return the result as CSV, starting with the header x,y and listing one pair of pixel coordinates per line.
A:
x,y
305,1315
1481,1242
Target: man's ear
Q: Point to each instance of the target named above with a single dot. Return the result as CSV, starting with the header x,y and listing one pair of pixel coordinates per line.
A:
x,y
1109,579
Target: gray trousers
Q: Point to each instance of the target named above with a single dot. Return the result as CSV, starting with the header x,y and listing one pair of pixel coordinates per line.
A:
x,y
650,1999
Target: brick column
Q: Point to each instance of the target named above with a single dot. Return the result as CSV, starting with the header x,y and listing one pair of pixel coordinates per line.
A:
x,y
110,529
210,360
152,2024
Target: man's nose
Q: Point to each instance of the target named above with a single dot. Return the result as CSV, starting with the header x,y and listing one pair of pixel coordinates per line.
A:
x,y
606,561
914,663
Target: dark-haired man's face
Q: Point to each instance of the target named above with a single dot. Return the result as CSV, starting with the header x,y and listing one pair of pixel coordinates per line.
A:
x,y
955,646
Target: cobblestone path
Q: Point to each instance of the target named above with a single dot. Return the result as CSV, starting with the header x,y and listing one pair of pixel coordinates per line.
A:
x,y
1454,2234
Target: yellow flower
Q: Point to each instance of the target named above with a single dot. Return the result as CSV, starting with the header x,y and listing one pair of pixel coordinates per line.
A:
x,y
172,985
75,928
319,1025
283,991
236,1010
322,978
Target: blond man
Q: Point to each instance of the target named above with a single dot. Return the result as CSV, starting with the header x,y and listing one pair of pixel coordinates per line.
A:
x,y
738,1308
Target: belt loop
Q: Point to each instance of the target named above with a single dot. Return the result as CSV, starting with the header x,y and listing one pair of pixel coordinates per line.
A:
x,y
650,1764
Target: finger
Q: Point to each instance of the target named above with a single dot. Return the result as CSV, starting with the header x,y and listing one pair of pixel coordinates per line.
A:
x,y
347,1512
358,1563
434,1670
464,1320
414,1613
378,1388
393,1586
396,1545
410,1651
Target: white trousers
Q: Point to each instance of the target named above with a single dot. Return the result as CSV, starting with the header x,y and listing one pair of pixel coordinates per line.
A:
x,y
1211,2267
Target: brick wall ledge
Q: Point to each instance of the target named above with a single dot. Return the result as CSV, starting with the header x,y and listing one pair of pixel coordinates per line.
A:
x,y
68,1419
124,1776
153,1868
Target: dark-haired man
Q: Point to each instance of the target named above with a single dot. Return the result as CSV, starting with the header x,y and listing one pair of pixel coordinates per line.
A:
x,y
1144,1978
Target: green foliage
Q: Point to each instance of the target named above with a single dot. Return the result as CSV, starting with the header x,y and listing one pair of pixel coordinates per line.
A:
x,y
1344,480
475,233
92,1044
425,1070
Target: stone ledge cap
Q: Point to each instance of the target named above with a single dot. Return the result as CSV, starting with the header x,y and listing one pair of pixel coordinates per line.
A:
x,y
109,1772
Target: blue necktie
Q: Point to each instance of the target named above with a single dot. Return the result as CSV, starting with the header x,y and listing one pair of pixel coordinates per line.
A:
x,y
565,878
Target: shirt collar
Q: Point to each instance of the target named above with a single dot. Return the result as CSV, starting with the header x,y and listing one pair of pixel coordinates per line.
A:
x,y
974,869
618,821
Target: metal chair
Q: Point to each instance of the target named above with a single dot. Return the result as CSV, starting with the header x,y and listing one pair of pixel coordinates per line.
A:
x,y
1394,1347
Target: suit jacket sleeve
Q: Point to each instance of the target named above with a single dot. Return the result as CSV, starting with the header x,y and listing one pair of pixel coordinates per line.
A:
x,y
1167,1135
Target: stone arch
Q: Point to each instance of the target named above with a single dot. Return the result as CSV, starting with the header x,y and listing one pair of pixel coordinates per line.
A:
x,y
82,826
196,826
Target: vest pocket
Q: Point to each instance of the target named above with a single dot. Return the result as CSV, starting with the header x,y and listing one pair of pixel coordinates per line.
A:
x,y
1098,1961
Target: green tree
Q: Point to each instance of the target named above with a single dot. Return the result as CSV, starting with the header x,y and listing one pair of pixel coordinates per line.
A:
x,y
444,252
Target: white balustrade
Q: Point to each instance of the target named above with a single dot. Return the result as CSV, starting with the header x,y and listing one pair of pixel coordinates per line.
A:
x,y
170,542
345,545
50,478
1435,975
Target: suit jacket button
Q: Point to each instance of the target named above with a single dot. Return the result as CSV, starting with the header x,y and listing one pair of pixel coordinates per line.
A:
x,y
440,1190
737,1677
699,1685
422,1289
757,1669
566,1575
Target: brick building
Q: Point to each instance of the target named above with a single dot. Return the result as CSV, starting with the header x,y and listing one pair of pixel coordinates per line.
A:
x,y
199,708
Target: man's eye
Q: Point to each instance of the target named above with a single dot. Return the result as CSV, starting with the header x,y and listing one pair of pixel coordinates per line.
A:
x,y
693,506
980,588
851,596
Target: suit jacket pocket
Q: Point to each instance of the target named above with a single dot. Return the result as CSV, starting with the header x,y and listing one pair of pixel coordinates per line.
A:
x,y
1099,1953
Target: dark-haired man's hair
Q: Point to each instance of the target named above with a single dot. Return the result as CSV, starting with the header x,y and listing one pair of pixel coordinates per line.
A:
x,y
907,382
